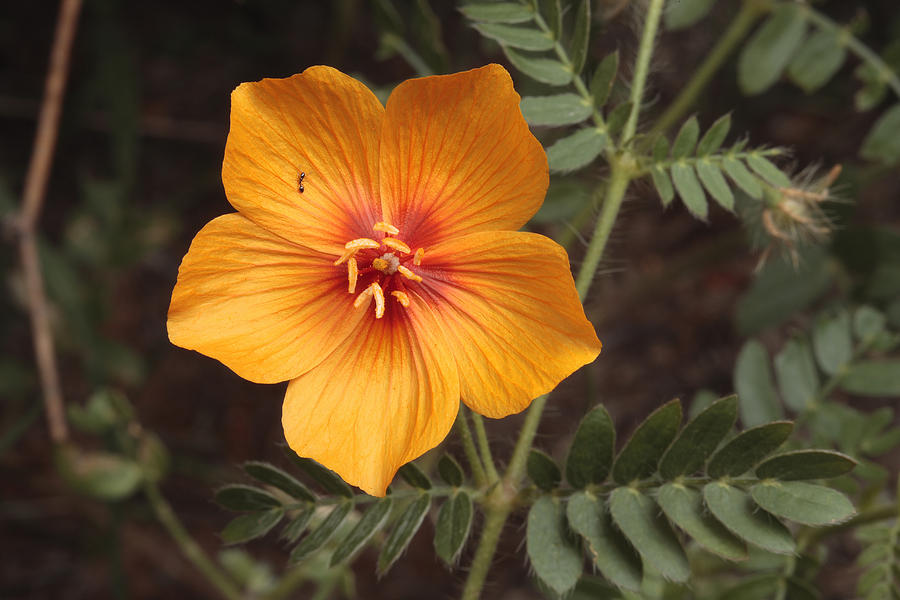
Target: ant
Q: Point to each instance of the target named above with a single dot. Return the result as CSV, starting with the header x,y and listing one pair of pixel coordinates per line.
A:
x,y
300,182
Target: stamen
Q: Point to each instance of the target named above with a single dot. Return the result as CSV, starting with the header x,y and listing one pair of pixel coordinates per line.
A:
x,y
363,296
352,274
379,299
408,274
401,297
420,254
360,243
396,245
386,227
345,256
380,264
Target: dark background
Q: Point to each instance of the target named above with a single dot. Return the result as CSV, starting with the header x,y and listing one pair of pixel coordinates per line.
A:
x,y
137,174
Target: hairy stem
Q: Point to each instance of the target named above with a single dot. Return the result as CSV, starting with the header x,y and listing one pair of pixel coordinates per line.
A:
x,y
743,21
189,547
642,66
465,435
485,447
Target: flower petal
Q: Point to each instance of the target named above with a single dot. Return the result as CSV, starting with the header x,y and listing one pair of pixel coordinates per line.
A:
x,y
457,157
321,123
511,316
380,400
268,309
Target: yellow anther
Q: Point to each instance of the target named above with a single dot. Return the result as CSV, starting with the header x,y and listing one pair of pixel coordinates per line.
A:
x,y
396,245
420,254
363,297
386,227
378,293
352,274
360,243
380,264
408,274
401,297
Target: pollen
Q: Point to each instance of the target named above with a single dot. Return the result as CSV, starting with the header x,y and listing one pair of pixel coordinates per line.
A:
x,y
408,274
386,228
396,245
401,297
417,258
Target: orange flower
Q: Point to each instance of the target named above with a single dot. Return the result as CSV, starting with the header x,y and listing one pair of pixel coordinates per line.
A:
x,y
374,262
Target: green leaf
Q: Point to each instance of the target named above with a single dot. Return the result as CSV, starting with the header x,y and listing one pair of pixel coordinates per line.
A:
x,y
404,529
272,475
514,36
874,88
641,454
740,454
767,170
699,439
328,479
251,526
806,464
101,475
454,522
577,150
714,137
689,190
552,13
611,554
685,13
560,109
804,503
873,378
715,184
760,587
796,373
868,323
818,59
742,177
566,197
736,511
545,70
617,117
555,559
638,518
684,507
663,184
603,79
317,538
686,139
373,520
245,497
832,343
542,470
770,49
754,386
497,12
414,476
882,144
591,454
450,471
292,531
581,35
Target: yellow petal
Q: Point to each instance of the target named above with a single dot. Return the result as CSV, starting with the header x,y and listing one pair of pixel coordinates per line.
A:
x,y
268,309
511,317
377,402
321,123
457,157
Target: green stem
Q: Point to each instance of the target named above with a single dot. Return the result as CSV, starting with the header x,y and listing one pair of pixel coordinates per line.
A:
x,y
642,66
188,546
495,519
465,435
486,457
750,12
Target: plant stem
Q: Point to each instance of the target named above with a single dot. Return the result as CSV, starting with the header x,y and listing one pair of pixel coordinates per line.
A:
x,y
486,457
188,546
495,519
750,12
642,66
465,435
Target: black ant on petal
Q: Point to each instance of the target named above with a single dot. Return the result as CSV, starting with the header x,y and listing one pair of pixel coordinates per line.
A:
x,y
300,182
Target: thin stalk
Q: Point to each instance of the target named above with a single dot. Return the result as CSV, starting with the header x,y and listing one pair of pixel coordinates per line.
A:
x,y
465,435
495,519
189,547
485,447
642,66
743,21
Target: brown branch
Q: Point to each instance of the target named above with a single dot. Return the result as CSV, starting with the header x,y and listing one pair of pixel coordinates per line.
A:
x,y
32,200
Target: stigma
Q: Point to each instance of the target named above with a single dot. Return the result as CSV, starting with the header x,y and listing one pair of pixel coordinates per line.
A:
x,y
382,266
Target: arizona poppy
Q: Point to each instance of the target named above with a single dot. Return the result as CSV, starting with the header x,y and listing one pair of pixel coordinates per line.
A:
x,y
375,263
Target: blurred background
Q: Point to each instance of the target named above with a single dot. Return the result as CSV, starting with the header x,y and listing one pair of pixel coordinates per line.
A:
x,y
137,173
